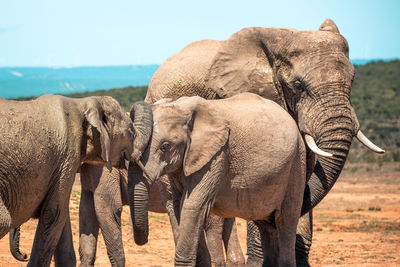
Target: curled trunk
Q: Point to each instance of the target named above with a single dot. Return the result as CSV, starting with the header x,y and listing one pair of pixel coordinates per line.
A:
x,y
335,139
142,118
14,245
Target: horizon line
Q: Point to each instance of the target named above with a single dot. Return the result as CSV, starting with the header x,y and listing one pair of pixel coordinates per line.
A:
x,y
153,64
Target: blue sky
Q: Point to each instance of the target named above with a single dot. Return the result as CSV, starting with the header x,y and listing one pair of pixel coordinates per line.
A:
x,y
126,32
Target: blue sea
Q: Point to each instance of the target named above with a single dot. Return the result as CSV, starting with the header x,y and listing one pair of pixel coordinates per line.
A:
x,y
35,81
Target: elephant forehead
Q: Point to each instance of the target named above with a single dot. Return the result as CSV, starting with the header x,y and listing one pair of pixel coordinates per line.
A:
x,y
319,41
169,125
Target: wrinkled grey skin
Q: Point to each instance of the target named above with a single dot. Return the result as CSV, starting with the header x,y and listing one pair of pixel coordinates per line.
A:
x,y
14,236
44,141
103,194
308,73
141,117
227,159
102,197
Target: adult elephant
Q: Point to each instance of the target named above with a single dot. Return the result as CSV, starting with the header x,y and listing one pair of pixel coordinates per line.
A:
x,y
306,72
44,142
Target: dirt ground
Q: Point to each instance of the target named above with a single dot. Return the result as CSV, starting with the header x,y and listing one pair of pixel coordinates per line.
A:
x,y
357,224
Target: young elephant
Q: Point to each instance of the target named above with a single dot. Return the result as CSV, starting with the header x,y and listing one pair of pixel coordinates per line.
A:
x,y
236,157
44,142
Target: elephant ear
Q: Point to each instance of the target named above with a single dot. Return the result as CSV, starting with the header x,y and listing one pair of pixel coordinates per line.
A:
x,y
329,25
94,114
241,65
208,133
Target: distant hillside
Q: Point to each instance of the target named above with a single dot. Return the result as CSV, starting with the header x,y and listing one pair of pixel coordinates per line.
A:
x,y
126,96
376,100
375,97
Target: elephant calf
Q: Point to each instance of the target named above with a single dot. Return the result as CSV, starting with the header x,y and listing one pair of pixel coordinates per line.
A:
x,y
236,157
43,143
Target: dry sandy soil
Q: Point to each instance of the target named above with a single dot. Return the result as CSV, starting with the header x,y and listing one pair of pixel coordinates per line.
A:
x,y
357,224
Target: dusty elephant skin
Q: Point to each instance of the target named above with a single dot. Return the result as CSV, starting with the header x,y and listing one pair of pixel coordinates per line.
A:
x,y
308,73
44,141
102,196
237,157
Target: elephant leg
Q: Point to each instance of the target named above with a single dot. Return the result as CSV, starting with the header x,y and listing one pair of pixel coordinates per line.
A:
x,y
234,254
269,242
5,219
277,243
190,233
88,229
303,239
203,255
255,255
108,207
171,196
64,255
196,203
53,217
213,229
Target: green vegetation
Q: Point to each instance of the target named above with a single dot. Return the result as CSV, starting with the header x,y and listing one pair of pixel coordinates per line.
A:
x,y
126,96
375,97
376,100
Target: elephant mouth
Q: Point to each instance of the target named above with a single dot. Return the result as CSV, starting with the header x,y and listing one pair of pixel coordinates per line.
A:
x,y
125,155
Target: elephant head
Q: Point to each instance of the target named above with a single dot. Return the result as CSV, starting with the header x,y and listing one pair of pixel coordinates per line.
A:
x,y
186,135
119,136
309,74
108,132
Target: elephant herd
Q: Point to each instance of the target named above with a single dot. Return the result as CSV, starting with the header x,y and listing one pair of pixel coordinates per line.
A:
x,y
257,126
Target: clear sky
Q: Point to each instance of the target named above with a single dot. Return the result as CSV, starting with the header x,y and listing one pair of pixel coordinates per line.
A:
x,y
127,32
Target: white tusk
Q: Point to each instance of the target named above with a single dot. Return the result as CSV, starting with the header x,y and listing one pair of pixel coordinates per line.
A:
x,y
140,164
366,142
313,146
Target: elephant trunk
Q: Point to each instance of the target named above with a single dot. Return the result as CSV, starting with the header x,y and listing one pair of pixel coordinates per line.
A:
x,y
142,118
138,190
337,130
14,245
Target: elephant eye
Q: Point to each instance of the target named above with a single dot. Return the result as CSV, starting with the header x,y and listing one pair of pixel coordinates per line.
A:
x,y
299,86
165,147
104,119
130,133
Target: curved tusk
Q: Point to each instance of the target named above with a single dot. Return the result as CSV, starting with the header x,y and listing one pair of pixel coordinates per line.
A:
x,y
140,164
366,142
313,146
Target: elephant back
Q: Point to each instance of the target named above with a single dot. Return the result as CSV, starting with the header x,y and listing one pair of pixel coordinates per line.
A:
x,y
178,76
